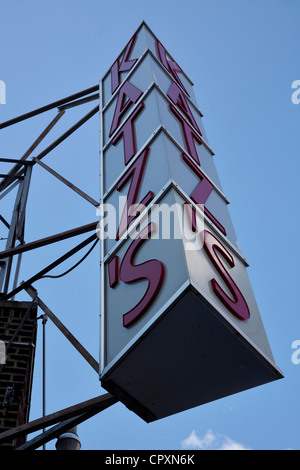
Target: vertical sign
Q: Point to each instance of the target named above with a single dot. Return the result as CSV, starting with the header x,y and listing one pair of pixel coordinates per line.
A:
x,y
179,322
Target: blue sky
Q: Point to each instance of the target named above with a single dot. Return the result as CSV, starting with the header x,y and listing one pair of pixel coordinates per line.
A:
x,y
243,58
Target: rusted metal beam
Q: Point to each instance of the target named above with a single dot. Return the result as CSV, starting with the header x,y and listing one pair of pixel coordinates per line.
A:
x,y
99,403
79,102
68,133
63,329
55,431
15,160
16,231
48,240
67,183
20,177
55,104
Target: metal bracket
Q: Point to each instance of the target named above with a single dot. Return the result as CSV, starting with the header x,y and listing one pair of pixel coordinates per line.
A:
x,y
9,396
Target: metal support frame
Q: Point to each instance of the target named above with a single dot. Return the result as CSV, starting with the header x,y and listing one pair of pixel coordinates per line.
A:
x,y
48,240
67,183
16,229
48,268
85,354
22,172
20,175
5,183
67,418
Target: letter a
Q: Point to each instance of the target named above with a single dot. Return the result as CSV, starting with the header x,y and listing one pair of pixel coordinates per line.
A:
x,y
132,93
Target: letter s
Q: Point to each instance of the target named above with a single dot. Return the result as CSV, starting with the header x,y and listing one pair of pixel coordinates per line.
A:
x,y
152,270
238,305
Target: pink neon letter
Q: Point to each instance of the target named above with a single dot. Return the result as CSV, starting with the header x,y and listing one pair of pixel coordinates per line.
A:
x,y
202,191
238,305
135,172
124,66
152,270
113,271
170,65
189,135
178,98
132,93
128,134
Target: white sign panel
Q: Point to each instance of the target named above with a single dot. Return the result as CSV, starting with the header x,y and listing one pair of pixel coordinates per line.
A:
x,y
174,283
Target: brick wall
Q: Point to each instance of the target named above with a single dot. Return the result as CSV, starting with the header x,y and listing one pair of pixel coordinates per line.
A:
x,y
16,373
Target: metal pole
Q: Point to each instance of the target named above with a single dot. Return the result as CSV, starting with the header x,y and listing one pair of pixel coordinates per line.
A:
x,y
55,104
68,440
45,318
77,345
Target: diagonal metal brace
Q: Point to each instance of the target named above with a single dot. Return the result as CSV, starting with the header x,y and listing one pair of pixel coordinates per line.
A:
x,y
77,345
82,410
